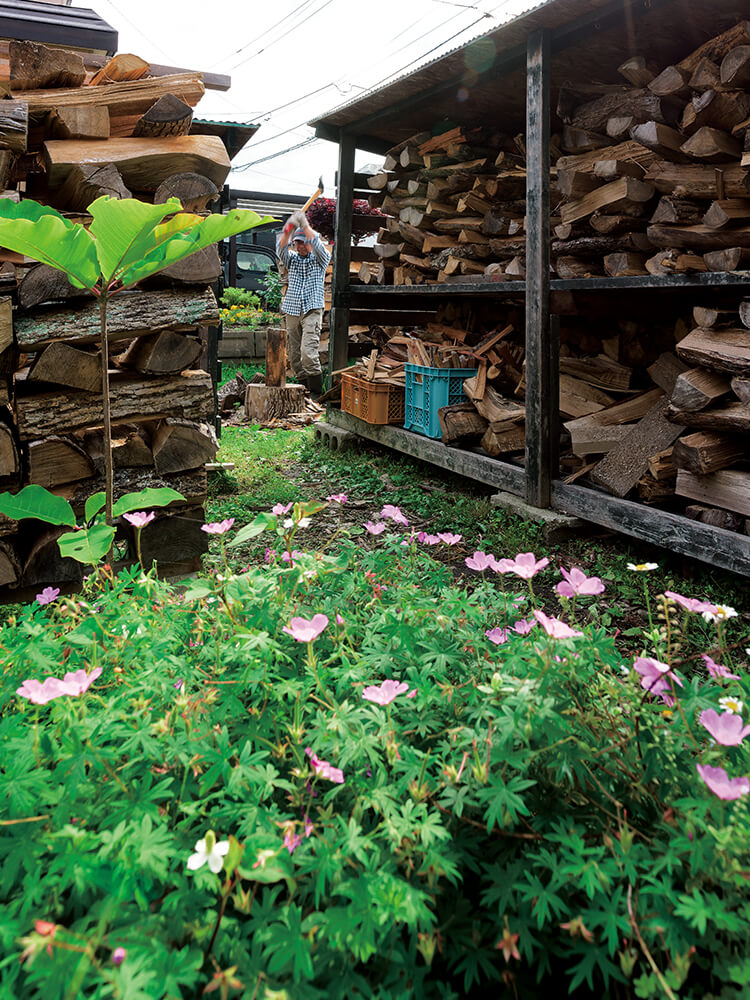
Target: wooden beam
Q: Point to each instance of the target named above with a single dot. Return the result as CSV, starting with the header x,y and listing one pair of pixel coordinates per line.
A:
x,y
338,350
540,398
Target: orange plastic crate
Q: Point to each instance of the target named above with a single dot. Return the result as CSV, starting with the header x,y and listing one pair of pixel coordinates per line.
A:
x,y
373,402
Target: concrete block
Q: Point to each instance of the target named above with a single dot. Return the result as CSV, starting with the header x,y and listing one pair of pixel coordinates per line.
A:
x,y
556,527
334,437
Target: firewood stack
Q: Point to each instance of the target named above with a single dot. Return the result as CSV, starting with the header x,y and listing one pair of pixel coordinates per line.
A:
x,y
455,204
69,134
655,180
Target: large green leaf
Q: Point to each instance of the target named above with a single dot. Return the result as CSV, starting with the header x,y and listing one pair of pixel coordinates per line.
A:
x,y
179,245
94,504
149,497
42,233
252,530
87,545
124,230
34,501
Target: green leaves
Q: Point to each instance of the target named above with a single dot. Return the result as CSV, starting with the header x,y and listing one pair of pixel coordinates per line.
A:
x,y
42,233
34,501
252,530
88,545
160,496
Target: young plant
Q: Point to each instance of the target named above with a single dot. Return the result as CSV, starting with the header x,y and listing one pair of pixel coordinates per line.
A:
x,y
126,242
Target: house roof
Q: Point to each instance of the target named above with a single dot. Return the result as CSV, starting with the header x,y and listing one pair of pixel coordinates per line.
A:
x,y
77,27
487,76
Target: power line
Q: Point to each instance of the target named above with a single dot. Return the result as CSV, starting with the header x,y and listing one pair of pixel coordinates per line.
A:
x,y
284,35
273,156
305,3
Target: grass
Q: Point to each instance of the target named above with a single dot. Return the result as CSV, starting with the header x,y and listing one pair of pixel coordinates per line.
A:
x,y
278,466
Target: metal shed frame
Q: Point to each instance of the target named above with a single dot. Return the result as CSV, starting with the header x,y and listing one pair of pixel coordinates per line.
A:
x,y
577,22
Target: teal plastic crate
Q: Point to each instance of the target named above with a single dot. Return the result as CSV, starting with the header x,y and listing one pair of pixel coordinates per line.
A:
x,y
427,389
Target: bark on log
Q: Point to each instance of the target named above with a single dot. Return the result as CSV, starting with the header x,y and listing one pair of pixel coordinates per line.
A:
x,y
189,395
461,424
698,181
143,163
192,485
179,445
721,351
734,418
698,238
168,116
14,125
164,353
129,314
127,98
194,191
266,402
741,389
201,268
34,66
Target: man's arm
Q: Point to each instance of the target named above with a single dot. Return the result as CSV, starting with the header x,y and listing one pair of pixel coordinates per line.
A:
x,y
318,247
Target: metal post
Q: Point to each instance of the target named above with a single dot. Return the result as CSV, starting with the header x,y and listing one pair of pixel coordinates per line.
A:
x,y
540,402
338,345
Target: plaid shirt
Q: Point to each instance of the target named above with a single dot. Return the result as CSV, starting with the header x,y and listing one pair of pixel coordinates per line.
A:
x,y
306,278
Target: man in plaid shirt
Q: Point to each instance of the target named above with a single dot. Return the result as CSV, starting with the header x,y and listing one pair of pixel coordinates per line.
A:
x,y
304,301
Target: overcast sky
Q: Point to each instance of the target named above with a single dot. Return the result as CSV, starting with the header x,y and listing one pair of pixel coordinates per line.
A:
x,y
293,60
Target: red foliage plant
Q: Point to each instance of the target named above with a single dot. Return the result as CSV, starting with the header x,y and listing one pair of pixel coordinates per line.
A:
x,y
322,214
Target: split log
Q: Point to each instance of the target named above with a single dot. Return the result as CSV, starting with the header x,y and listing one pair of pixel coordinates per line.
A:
x,y
44,564
168,116
741,388
89,122
143,164
637,71
709,317
189,395
131,447
716,48
716,109
264,403
276,358
710,145
725,519
621,469
731,259
63,364
705,76
194,191
626,196
671,82
698,181
600,371
665,371
579,399
56,460
698,238
735,68
578,140
490,404
722,351
661,465
9,464
34,66
642,104
14,125
619,264
460,423
87,182
123,66
610,170
728,212
179,445
504,437
660,139
706,451
744,313
733,418
697,388
43,283
161,353
10,566
175,541
6,322
133,97
727,488
588,437
130,313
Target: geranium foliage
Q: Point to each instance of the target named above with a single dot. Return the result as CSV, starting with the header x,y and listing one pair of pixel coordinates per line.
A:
x,y
319,778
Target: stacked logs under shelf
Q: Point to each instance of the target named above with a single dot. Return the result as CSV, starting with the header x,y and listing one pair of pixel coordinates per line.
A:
x,y
455,204
68,135
655,179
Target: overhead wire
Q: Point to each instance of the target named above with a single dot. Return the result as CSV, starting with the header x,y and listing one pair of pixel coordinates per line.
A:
x,y
284,36
257,38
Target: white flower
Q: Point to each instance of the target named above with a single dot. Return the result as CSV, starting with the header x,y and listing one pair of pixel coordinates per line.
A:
x,y
720,613
304,522
288,522
642,567
730,704
209,850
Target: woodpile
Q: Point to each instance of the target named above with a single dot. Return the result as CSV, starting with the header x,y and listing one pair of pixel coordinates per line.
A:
x,y
68,134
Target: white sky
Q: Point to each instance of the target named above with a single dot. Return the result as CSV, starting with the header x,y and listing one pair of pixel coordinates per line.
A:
x,y
310,54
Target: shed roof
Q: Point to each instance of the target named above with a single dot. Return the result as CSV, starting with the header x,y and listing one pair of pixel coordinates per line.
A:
x,y
77,27
590,39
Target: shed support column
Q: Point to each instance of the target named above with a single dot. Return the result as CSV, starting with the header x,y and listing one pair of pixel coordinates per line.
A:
x,y
338,347
541,403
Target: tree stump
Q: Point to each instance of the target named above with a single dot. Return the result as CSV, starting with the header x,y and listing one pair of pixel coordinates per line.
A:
x,y
275,399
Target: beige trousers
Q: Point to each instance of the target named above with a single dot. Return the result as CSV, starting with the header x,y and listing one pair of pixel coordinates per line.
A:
x,y
303,342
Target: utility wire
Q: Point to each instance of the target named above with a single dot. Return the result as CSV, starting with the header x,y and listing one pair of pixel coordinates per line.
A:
x,y
284,36
305,3
273,156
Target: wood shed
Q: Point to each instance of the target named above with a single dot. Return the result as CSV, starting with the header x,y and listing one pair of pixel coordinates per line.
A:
x,y
566,207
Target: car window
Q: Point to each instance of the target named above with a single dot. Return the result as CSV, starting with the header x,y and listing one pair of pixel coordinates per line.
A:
x,y
253,260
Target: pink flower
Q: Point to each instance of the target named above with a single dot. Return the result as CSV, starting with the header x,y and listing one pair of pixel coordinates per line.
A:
x,y
375,529
383,694
118,956
449,538
393,513
218,527
72,685
48,595
427,539
412,693
721,784
324,768
523,627
290,559
554,627
291,840
718,669
338,497
481,561
339,619
279,509
304,629
270,555
524,565
139,518
497,635
576,582
655,676
726,728
308,827
690,603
